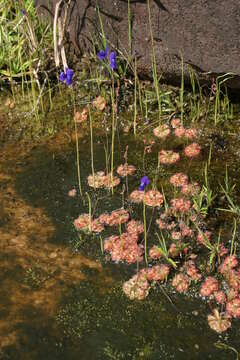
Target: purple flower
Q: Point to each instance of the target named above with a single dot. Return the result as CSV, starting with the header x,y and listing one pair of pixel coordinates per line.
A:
x,y
67,76
112,59
143,183
102,54
23,11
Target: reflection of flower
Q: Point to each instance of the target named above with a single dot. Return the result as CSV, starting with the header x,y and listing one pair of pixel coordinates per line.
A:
x,y
67,76
219,322
143,183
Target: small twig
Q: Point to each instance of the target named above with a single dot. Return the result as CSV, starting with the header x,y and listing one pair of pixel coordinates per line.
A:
x,y
56,53
60,44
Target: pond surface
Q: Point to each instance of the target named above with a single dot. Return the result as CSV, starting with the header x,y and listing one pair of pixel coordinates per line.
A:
x,y
61,298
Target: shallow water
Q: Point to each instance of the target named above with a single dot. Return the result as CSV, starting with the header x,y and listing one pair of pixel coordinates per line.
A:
x,y
60,297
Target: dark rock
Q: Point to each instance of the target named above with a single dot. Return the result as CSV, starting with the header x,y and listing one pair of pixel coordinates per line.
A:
x,y
205,33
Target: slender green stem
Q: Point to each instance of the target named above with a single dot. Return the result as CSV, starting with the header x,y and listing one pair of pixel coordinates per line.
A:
x,y
89,211
129,28
182,90
113,131
145,233
135,97
77,148
91,135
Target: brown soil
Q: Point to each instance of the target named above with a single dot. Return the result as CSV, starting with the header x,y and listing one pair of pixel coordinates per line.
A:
x,y
25,232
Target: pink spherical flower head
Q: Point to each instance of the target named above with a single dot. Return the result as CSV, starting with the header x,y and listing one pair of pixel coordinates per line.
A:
x,y
233,308
179,132
135,226
180,282
175,123
155,253
219,322
192,150
190,133
209,286
158,272
180,205
162,131
137,196
125,169
153,198
179,179
168,157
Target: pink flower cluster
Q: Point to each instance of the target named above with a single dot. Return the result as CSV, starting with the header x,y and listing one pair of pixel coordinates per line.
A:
x,y
192,150
168,157
100,180
162,131
125,169
180,205
137,287
179,179
151,198
181,282
116,217
209,286
85,223
124,247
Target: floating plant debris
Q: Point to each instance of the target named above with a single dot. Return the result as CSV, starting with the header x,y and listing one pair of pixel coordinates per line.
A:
x,y
125,169
162,131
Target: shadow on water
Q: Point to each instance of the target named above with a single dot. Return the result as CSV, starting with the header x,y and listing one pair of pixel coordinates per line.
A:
x,y
91,317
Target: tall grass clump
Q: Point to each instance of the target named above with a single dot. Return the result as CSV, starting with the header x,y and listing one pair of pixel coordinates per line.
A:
x,y
26,48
